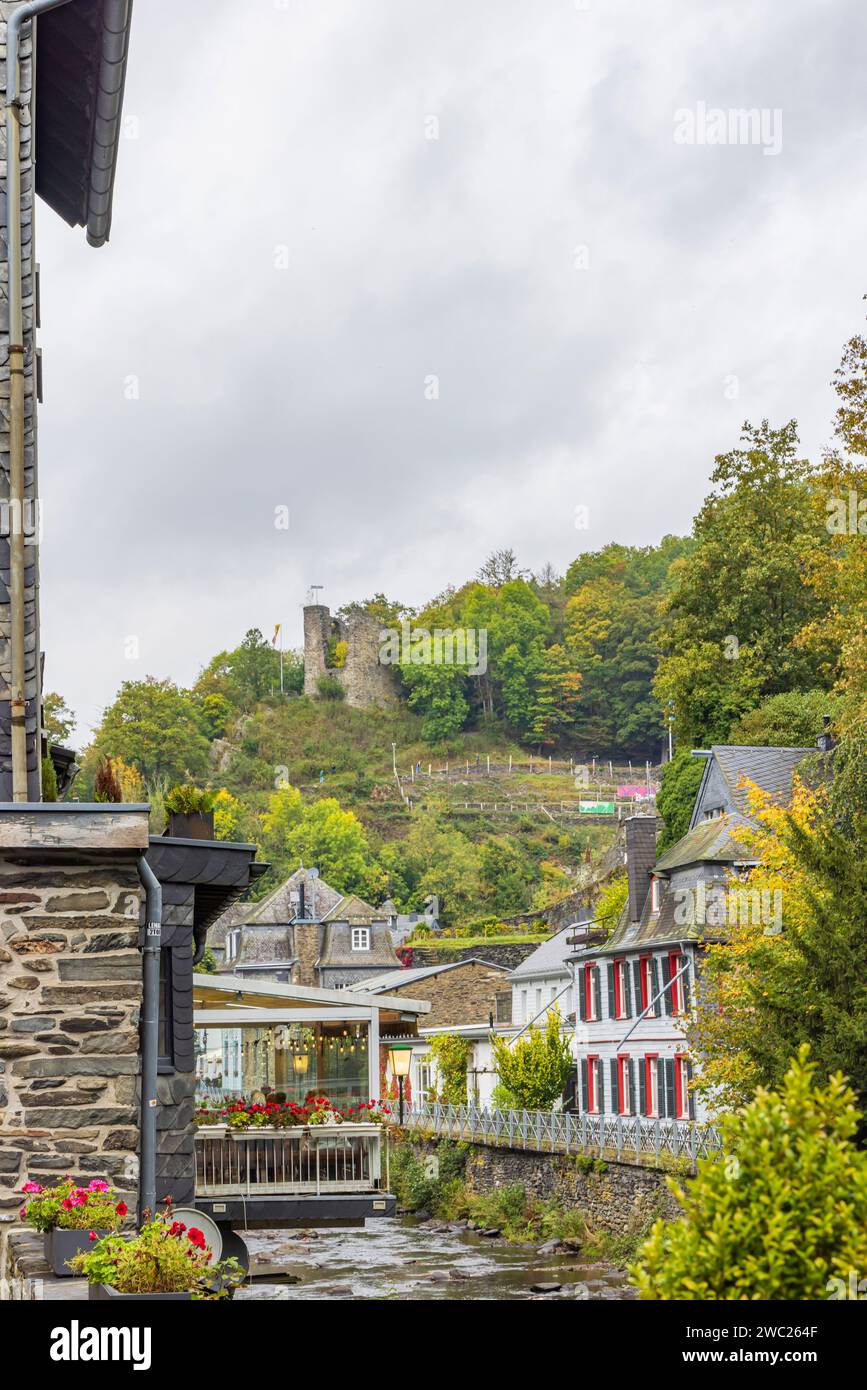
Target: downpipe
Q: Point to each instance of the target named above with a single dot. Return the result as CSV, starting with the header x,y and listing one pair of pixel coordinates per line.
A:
x,y
18,706
150,1023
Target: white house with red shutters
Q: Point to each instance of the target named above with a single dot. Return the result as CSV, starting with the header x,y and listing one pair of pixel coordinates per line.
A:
x,y
635,989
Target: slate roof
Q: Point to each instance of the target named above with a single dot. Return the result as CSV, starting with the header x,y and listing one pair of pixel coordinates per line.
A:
x,y
355,910
711,841
397,979
265,945
772,769
336,950
548,959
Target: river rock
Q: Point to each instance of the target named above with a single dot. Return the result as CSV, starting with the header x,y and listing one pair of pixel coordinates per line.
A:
x,y
549,1248
545,1288
491,1231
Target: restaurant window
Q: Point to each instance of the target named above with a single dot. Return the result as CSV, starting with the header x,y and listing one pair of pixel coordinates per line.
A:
x,y
286,1060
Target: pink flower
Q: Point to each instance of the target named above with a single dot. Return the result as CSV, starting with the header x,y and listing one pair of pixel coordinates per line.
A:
x,y
31,1187
91,1235
22,1213
97,1185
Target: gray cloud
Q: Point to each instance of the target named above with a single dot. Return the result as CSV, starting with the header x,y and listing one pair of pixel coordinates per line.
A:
x,y
304,127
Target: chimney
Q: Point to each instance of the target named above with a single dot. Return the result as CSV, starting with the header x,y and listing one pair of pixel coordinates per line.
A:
x,y
640,859
306,952
825,741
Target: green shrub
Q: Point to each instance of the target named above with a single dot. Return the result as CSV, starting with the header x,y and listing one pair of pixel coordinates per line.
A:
x,y
536,1067
330,688
781,1214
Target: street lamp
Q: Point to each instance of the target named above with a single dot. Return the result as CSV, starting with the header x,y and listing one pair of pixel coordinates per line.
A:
x,y
399,1058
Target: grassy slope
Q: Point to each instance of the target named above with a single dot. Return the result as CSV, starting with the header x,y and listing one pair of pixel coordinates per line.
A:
x,y
353,748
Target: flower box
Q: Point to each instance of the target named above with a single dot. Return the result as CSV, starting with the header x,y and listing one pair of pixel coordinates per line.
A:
x,y
61,1246
98,1293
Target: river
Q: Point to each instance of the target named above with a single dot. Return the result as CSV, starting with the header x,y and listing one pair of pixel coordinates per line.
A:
x,y
390,1258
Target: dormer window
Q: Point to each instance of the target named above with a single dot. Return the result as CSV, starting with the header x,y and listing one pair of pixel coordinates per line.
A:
x,y
654,894
233,939
361,938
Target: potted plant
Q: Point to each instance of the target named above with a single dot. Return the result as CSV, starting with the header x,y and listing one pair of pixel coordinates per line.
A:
x,y
190,812
167,1260
67,1215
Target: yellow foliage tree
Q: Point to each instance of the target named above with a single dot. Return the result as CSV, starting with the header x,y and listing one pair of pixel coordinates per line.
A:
x,y
753,957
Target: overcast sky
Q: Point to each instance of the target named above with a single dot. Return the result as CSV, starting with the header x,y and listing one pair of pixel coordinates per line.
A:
x,y
321,205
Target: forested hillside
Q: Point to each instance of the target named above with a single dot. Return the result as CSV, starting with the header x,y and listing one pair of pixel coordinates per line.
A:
x,y
750,629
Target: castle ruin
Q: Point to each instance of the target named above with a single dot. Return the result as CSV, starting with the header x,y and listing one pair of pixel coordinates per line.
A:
x,y
357,667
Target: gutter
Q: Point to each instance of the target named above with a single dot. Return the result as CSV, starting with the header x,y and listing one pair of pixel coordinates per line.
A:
x,y
116,19
17,684
150,1035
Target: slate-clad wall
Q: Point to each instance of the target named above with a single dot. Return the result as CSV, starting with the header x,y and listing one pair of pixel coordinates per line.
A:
x,y
70,998
176,1081
30,517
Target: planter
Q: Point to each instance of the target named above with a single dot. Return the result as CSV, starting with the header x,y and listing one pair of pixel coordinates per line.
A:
x,y
60,1246
199,826
98,1293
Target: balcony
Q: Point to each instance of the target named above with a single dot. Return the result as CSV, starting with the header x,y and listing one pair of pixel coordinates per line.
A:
x,y
288,1162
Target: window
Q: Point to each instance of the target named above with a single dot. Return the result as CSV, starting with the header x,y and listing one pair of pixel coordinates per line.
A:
x,y
654,894
621,988
675,961
651,1084
591,992
424,1080
624,1085
233,939
646,984
361,938
525,1016
538,1001
593,1088
681,1087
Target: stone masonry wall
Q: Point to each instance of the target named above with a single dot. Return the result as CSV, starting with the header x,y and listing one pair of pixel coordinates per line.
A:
x,y
466,995
70,995
365,680
621,1199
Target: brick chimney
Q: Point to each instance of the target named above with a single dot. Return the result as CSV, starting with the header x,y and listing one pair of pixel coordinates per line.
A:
x,y
640,859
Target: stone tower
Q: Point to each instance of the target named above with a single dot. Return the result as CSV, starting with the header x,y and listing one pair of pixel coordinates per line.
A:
x,y
365,680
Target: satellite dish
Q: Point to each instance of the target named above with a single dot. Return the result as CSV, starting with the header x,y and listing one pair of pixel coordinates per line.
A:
x,y
313,873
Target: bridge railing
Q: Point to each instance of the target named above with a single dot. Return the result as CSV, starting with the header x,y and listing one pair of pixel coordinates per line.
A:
x,y
287,1162
629,1138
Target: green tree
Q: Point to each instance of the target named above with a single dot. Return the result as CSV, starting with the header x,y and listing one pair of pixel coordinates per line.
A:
x,y
739,601
675,799
58,720
537,1065
248,674
324,836
782,1214
451,1053
153,725
791,719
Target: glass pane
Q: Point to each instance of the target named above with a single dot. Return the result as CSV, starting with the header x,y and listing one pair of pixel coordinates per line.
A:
x,y
282,1060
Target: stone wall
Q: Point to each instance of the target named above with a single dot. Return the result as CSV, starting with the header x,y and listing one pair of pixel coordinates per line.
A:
x,y
465,995
364,679
620,1198
70,996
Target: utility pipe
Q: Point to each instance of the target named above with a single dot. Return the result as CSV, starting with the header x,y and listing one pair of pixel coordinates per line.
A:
x,y
150,1023
18,706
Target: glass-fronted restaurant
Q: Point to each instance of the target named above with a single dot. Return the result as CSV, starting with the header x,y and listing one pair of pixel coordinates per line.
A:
x,y
278,1041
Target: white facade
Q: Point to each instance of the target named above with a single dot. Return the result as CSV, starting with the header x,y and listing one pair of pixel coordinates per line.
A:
x,y
481,1073
630,1067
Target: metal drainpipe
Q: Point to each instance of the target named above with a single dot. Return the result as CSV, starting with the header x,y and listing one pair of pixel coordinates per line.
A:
x,y
18,706
150,1022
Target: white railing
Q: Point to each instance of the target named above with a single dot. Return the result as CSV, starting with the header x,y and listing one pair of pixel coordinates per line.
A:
x,y
289,1162
625,1138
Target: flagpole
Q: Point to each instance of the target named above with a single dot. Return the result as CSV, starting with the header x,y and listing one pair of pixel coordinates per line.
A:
x,y
281,659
